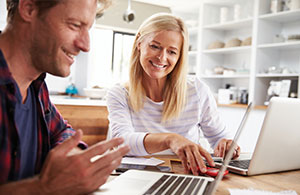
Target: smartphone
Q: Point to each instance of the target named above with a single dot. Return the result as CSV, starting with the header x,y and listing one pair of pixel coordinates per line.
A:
x,y
216,158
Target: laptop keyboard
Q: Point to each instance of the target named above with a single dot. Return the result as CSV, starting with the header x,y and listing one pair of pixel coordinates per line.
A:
x,y
244,164
176,185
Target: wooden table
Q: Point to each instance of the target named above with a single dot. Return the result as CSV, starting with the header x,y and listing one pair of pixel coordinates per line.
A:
x,y
275,182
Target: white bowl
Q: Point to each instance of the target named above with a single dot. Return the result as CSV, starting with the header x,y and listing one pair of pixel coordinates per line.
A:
x,y
95,93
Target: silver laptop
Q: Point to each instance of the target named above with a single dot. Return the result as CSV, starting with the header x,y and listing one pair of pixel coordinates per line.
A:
x,y
277,147
136,182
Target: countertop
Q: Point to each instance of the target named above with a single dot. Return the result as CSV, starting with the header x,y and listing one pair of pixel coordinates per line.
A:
x,y
80,101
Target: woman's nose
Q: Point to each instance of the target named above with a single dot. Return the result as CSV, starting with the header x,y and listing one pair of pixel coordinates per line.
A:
x,y
162,55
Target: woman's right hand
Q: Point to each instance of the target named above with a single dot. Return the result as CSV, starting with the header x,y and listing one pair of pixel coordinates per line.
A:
x,y
190,154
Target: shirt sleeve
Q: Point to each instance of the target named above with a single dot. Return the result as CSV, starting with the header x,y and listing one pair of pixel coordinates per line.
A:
x,y
120,122
211,124
58,128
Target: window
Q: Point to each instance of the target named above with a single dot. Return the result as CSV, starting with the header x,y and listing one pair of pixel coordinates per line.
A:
x,y
122,46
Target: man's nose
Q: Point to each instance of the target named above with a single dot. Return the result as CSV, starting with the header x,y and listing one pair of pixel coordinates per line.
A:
x,y
83,41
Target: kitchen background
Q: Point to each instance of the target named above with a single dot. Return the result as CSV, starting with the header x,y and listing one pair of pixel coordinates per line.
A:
x,y
245,50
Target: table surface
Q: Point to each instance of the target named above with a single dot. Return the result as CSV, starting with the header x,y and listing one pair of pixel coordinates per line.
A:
x,y
275,182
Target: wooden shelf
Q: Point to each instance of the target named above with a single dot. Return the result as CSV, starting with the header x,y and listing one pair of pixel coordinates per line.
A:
x,y
233,105
258,107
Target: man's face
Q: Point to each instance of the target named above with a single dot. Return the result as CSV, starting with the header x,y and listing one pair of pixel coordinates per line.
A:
x,y
60,34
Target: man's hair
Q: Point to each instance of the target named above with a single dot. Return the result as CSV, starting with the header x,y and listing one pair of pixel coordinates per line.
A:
x,y
45,5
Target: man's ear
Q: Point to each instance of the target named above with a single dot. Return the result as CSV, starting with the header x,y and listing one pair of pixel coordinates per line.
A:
x,y
27,10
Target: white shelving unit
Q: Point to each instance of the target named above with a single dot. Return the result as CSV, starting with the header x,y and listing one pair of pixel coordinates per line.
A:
x,y
190,14
250,62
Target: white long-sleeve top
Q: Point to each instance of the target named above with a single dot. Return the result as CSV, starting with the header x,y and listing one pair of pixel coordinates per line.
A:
x,y
200,113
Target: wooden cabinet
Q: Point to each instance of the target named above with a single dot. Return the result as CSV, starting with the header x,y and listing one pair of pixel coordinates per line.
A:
x,y
93,120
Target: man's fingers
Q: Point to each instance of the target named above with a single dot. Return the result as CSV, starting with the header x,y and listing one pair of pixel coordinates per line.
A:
x,y
110,157
65,147
102,147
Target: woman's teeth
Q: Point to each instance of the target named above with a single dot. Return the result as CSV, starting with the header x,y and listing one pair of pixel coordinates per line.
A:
x,y
159,66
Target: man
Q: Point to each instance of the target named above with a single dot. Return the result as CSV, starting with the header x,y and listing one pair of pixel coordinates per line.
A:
x,y
44,36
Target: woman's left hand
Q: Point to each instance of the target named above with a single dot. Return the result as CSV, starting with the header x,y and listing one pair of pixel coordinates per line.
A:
x,y
223,148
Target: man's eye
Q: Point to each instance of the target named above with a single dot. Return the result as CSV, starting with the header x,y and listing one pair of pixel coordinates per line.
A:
x,y
76,25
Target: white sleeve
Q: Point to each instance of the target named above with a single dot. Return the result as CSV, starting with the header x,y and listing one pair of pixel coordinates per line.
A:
x,y
120,122
212,126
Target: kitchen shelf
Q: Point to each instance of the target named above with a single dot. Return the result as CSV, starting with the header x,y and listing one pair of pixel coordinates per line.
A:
x,y
285,16
281,46
262,54
230,50
277,75
223,76
193,53
231,25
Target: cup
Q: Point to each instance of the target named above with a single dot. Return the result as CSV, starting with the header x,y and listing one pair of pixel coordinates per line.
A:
x,y
276,6
224,14
295,4
237,12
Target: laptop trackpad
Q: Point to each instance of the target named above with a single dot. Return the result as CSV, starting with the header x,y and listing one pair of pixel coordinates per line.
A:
x,y
124,186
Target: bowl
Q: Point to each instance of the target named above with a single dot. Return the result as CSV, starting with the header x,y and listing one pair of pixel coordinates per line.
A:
x,y
95,93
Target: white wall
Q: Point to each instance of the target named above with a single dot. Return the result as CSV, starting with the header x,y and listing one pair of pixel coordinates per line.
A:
x,y
113,16
3,14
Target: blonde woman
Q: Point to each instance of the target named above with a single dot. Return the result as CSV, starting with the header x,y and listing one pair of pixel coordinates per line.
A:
x,y
159,108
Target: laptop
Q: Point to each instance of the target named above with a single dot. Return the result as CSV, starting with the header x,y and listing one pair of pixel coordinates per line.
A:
x,y
277,147
137,182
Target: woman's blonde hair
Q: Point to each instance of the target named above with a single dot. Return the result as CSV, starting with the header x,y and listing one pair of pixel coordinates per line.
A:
x,y
176,85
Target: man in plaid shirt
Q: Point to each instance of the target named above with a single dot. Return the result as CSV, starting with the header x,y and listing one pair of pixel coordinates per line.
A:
x,y
44,36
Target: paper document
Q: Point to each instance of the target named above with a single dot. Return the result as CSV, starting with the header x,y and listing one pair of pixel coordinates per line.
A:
x,y
142,161
259,192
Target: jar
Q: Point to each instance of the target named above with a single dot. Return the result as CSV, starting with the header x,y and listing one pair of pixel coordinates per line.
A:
x,y
243,96
276,6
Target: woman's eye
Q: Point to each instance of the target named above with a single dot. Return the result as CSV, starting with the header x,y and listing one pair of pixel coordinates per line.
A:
x,y
154,46
173,52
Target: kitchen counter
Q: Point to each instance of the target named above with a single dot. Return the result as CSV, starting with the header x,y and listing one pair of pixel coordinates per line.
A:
x,y
89,115
77,101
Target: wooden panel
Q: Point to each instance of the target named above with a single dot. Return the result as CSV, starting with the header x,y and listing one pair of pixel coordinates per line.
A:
x,y
92,120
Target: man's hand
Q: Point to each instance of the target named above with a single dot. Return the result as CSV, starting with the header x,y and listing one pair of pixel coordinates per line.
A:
x,y
66,173
223,147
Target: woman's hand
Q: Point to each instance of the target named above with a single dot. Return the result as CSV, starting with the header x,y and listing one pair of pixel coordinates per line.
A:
x,y
190,154
223,147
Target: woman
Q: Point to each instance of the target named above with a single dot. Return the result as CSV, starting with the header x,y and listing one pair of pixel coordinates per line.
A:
x,y
159,108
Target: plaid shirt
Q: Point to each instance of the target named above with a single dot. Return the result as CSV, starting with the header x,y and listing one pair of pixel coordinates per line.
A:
x,y
52,129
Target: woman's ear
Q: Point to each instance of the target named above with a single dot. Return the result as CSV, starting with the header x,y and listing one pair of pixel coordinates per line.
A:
x,y
138,46
27,10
